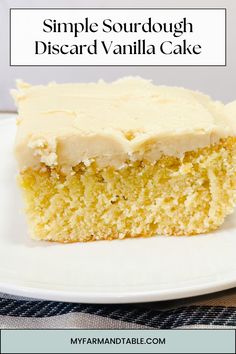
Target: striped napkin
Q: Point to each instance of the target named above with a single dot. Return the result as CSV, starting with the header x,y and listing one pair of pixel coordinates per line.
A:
x,y
209,311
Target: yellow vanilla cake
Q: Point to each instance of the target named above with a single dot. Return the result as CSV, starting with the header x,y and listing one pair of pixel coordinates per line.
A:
x,y
103,161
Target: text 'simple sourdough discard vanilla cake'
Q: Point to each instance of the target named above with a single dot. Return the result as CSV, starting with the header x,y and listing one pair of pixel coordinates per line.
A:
x,y
105,161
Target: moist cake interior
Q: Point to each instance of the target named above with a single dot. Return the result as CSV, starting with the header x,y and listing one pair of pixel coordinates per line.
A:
x,y
171,196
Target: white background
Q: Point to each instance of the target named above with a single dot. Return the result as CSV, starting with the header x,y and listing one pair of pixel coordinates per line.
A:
x,y
208,31
219,82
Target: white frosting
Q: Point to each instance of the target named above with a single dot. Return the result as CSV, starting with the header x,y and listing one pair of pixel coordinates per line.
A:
x,y
65,124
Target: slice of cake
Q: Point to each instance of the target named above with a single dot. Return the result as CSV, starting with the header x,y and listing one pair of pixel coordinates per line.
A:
x,y
103,161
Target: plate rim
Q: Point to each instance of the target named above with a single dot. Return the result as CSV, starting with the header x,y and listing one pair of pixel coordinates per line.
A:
x,y
117,298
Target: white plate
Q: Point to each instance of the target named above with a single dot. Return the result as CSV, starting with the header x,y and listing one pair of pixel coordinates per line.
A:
x,y
132,270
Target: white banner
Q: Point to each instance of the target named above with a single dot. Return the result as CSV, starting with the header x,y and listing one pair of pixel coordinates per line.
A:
x,y
117,37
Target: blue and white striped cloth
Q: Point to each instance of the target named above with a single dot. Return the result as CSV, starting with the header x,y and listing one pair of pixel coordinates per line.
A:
x,y
208,311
